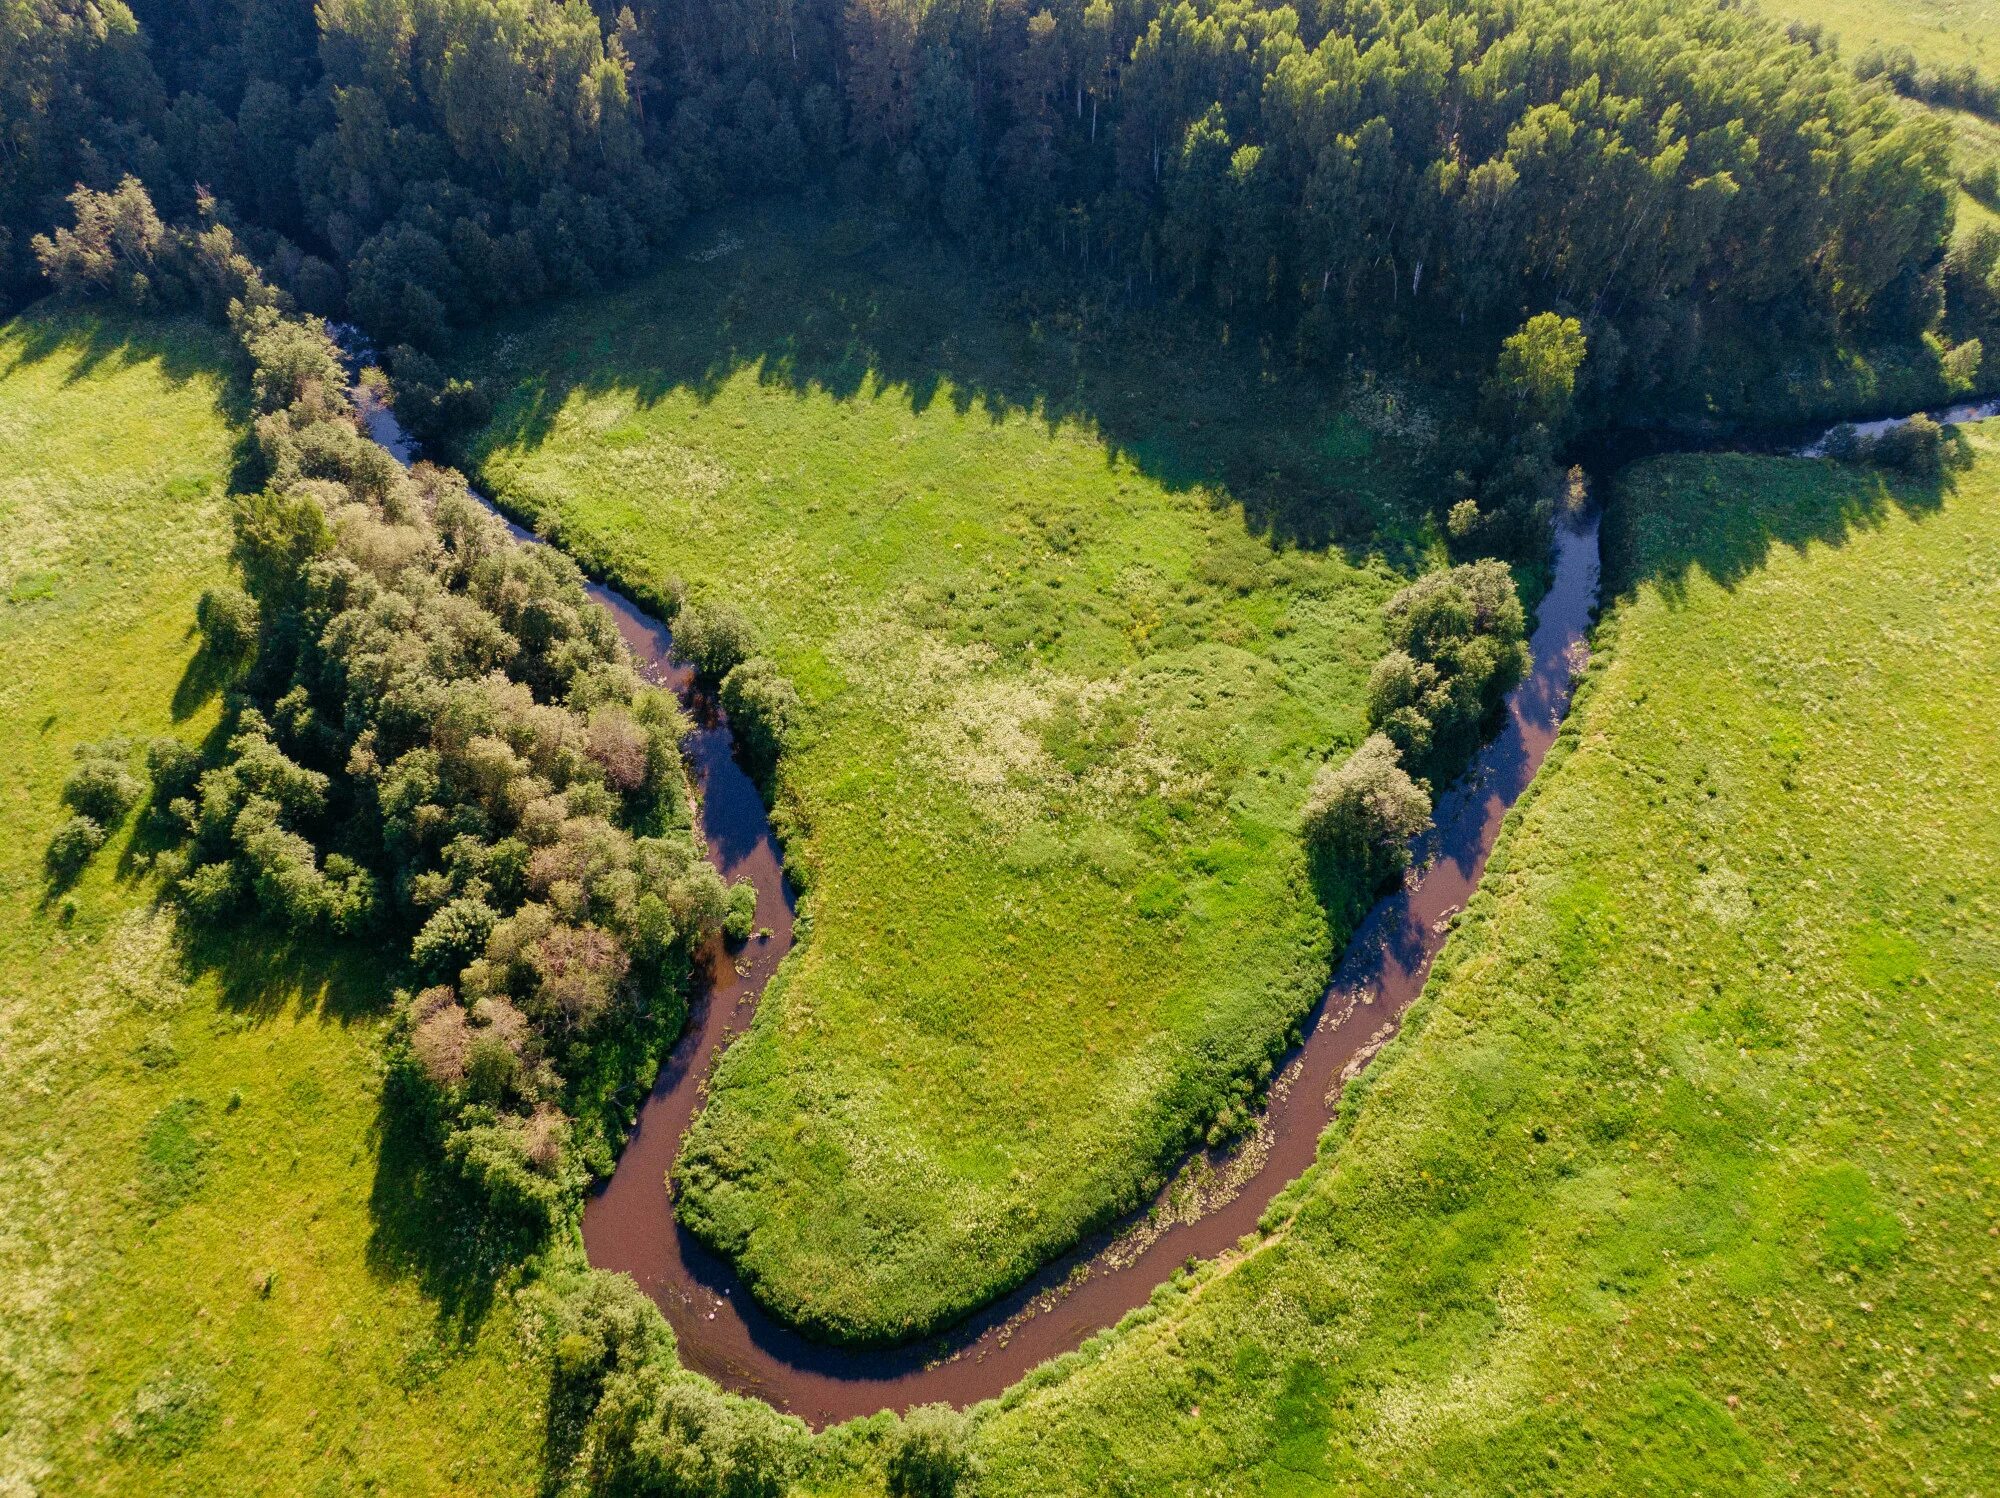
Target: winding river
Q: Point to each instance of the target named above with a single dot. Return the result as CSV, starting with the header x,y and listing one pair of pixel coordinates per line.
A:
x,y
629,1224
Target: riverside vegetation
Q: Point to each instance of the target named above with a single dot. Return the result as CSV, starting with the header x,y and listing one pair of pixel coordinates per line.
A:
x,y
1681,1177
413,758
213,1263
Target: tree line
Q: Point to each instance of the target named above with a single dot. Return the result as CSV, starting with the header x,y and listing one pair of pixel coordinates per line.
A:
x,y
434,739
1345,168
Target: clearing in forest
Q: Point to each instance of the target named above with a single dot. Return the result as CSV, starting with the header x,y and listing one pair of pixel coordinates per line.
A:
x,y
1683,1177
1072,631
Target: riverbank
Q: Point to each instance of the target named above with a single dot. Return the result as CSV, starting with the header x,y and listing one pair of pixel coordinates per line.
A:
x,y
1681,1178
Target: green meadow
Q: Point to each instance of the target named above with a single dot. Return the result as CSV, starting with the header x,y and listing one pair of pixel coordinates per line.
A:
x,y
216,1274
1682,1179
1942,33
1072,629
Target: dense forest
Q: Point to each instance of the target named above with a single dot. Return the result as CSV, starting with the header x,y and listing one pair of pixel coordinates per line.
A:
x,y
1351,169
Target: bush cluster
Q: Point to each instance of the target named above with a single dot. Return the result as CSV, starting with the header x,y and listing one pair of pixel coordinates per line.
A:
x,y
102,786
227,617
1458,647
99,791
625,1419
713,638
1366,809
440,741
763,709
1919,447
1962,87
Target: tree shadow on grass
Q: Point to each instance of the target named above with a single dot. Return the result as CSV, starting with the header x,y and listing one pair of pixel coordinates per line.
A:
x,y
1723,515
101,338
205,678
424,1226
264,972
1191,405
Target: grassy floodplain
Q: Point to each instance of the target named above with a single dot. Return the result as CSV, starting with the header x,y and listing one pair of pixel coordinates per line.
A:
x,y
214,1278
1072,633
1683,1180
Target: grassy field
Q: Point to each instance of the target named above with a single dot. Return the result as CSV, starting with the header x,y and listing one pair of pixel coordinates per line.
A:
x,y
1071,632
215,1277
1942,33
1684,1180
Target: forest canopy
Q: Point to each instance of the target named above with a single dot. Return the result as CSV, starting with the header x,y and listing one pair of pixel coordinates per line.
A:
x,y
1355,167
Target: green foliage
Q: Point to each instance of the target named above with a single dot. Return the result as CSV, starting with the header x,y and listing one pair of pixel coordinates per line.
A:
x,y
932,1454
742,917
625,1420
1411,170
1367,809
118,246
714,638
174,766
71,846
448,720
1535,380
763,709
1459,639
432,406
1917,446
515,1165
228,620
102,787
1961,363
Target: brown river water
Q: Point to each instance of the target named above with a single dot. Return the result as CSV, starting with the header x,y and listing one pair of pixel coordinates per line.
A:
x,y
629,1224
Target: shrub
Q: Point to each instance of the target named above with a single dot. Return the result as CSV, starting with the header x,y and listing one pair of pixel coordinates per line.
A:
x,y
174,766
102,786
433,406
1458,648
932,1456
742,917
498,1159
452,937
1842,444
70,849
1367,808
762,706
661,1433
212,891
228,619
712,638
492,1070
1916,447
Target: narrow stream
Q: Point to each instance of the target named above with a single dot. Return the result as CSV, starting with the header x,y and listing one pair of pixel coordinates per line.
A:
x,y
629,1224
